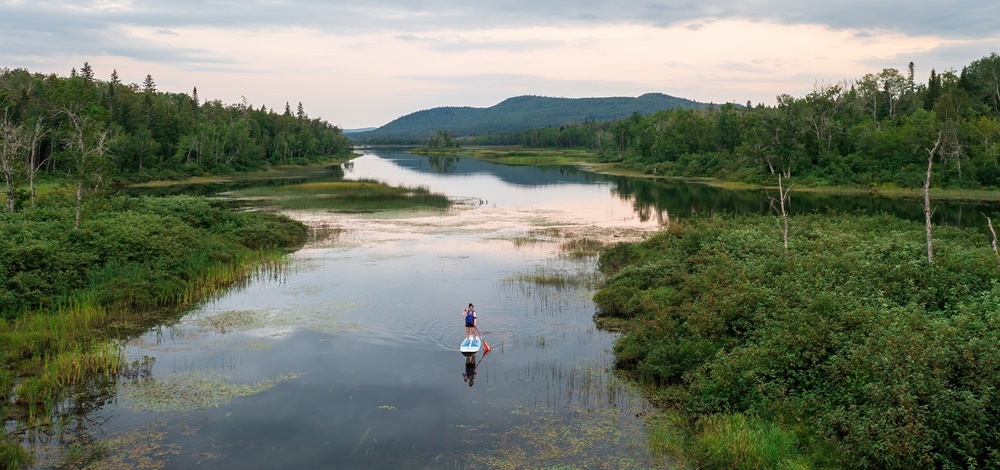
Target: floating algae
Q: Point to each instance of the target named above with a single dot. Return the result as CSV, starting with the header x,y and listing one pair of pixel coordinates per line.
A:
x,y
588,439
315,317
191,391
231,320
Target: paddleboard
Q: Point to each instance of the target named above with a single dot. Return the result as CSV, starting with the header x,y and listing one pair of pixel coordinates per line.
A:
x,y
471,346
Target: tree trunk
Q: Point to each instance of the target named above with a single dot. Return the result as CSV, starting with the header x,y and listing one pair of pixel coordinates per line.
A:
x,y
927,197
993,241
782,210
79,202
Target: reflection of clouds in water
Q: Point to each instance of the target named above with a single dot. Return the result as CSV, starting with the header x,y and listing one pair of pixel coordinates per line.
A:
x,y
246,329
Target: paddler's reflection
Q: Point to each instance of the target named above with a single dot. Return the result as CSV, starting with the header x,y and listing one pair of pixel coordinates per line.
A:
x,y
470,369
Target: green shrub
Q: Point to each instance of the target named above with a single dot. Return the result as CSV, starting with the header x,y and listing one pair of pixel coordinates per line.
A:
x,y
886,360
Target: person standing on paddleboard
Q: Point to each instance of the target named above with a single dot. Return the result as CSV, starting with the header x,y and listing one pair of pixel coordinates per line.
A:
x,y
470,320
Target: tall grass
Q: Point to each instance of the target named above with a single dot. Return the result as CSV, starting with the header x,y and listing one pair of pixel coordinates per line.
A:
x,y
362,195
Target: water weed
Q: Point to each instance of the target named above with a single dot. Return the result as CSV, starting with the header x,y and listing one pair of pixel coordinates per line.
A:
x,y
191,391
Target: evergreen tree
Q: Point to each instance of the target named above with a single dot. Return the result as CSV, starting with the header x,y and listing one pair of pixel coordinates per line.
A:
x,y
933,91
288,109
300,112
148,85
87,73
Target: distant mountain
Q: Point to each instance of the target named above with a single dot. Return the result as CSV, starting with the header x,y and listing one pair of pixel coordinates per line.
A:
x,y
360,129
520,113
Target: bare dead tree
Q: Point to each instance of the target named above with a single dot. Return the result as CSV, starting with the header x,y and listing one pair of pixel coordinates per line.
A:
x,y
927,196
89,142
778,205
34,165
11,148
993,241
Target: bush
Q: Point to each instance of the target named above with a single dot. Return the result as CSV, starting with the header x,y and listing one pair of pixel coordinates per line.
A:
x,y
886,360
131,251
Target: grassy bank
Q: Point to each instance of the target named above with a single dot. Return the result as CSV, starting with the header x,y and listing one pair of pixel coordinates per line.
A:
x,y
593,162
848,351
66,294
346,196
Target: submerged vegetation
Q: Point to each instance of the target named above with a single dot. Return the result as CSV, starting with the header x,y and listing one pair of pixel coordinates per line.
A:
x,y
847,350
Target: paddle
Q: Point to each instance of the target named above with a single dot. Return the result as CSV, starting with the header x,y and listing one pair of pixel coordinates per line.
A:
x,y
486,345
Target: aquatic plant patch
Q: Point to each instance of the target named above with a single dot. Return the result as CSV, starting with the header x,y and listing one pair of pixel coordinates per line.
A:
x,y
191,391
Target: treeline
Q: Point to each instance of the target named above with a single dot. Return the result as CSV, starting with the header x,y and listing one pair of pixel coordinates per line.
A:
x,y
514,115
877,130
94,131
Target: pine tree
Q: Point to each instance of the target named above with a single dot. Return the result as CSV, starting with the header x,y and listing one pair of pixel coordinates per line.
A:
x,y
114,78
933,90
195,103
72,73
148,85
288,109
300,112
87,73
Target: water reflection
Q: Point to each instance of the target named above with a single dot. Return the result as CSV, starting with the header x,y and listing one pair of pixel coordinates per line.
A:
x,y
657,200
469,376
348,358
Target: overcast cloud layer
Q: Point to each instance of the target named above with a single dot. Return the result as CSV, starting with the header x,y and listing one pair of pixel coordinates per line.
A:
x,y
364,63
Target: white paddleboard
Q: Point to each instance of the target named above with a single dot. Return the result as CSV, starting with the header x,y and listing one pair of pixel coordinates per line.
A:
x,y
471,346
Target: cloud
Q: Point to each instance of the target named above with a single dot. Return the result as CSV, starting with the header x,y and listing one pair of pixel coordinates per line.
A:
x,y
354,60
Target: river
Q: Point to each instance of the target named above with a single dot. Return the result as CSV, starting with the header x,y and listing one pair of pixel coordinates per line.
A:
x,y
348,358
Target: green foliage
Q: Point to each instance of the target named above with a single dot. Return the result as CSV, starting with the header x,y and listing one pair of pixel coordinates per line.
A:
x,y
13,456
875,132
735,441
885,360
132,251
157,134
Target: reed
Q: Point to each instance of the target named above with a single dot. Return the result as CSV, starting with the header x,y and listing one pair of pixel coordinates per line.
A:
x,y
361,195
77,340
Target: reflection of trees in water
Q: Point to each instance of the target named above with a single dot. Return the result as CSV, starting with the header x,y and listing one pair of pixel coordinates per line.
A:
x,y
651,198
442,164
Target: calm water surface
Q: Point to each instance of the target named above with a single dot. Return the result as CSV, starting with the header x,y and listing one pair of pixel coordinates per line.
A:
x,y
349,359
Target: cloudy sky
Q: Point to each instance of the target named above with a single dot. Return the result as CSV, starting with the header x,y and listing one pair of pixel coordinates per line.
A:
x,y
360,63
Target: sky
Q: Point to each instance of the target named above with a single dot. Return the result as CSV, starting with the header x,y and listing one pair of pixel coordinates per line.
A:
x,y
364,63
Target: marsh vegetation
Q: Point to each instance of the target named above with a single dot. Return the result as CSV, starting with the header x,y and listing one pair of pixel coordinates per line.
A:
x,y
847,350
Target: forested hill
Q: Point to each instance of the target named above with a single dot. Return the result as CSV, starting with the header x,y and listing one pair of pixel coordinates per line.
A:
x,y
80,124
520,113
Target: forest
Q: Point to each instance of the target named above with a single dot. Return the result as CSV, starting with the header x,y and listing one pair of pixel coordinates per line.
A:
x,y
873,132
93,133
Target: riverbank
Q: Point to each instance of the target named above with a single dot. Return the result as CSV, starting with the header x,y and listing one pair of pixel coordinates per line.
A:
x,y
847,350
592,162
71,295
